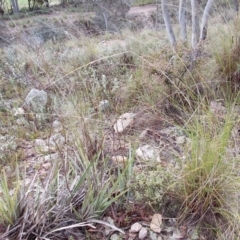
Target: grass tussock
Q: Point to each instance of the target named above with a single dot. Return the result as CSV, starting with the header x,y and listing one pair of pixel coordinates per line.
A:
x,y
209,183
74,196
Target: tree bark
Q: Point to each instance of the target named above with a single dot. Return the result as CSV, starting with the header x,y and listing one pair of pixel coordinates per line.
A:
x,y
15,6
206,14
195,22
168,24
236,5
182,20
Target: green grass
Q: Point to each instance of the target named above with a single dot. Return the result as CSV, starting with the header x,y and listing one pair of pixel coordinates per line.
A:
x,y
210,180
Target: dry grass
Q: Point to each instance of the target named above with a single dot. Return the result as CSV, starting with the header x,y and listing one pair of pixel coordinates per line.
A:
x,y
134,72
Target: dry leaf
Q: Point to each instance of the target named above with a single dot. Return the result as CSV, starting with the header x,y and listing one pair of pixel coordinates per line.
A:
x,y
156,223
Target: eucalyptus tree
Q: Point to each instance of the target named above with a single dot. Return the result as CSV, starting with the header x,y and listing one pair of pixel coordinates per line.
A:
x,y
1,10
168,24
183,20
199,32
195,21
206,14
236,5
15,6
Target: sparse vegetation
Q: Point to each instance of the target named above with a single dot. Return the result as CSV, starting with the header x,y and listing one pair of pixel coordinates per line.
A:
x,y
67,168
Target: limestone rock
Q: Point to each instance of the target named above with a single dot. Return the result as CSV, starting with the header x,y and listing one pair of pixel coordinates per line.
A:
x,y
123,122
148,152
136,227
19,112
37,100
143,233
153,236
57,126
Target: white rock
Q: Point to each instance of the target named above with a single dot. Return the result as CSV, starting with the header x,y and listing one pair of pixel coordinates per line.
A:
x,y
148,152
156,223
143,233
37,100
123,122
153,236
136,227
57,126
19,111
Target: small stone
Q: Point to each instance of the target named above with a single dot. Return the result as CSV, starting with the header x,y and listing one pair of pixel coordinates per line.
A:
x,y
123,122
19,111
142,233
57,126
153,236
148,152
46,166
136,227
37,100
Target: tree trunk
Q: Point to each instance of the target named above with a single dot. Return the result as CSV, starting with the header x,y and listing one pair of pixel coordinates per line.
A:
x,y
182,20
168,25
236,5
1,10
206,13
15,6
195,22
